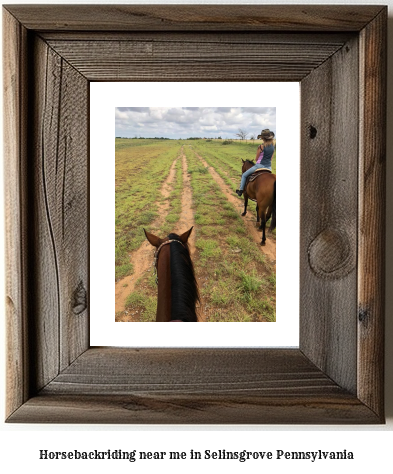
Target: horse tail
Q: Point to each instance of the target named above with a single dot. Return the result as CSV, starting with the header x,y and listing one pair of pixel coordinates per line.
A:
x,y
273,223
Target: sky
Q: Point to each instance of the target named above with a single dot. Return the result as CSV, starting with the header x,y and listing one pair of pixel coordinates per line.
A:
x,y
186,122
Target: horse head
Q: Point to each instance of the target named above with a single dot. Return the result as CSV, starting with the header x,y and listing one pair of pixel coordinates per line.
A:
x,y
247,164
157,242
177,286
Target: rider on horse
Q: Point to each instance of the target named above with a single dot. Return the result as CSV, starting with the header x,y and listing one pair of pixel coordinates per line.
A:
x,y
263,158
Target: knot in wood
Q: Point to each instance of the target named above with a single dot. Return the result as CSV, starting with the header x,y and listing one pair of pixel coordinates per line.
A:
x,y
364,316
80,299
331,254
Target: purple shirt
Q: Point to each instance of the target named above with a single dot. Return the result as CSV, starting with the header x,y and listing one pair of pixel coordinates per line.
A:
x,y
260,157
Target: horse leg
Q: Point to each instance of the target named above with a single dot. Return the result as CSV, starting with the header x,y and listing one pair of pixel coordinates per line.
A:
x,y
257,209
273,222
262,227
262,218
245,204
268,215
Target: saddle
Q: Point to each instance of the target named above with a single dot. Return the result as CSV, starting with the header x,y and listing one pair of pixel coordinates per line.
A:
x,y
256,174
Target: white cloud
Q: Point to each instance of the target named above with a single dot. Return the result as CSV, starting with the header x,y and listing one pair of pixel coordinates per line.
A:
x,y
184,122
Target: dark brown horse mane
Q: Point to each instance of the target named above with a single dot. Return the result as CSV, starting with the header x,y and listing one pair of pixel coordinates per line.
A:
x,y
184,287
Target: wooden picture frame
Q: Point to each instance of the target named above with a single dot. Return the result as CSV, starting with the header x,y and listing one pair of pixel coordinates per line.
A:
x,y
338,54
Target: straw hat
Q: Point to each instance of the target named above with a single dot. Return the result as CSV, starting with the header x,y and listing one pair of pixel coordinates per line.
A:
x,y
266,134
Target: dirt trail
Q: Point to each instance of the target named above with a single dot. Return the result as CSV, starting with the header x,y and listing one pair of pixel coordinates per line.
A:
x,y
186,219
142,258
249,219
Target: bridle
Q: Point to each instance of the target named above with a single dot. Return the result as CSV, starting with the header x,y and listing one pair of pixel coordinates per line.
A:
x,y
155,262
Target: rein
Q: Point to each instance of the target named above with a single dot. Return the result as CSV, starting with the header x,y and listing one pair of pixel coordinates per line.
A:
x,y
155,262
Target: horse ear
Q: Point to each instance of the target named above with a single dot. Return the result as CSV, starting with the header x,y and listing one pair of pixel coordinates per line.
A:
x,y
243,160
184,237
154,240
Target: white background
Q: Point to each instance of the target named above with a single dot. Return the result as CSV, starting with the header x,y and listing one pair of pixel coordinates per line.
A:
x,y
104,97
19,444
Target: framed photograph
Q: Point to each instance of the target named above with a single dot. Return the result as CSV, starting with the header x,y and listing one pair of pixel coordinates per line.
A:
x,y
239,280
52,55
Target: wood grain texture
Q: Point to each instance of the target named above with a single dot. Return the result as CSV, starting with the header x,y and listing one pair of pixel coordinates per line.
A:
x,y
59,185
372,199
205,371
220,59
195,17
201,37
193,386
328,253
193,409
52,374
14,74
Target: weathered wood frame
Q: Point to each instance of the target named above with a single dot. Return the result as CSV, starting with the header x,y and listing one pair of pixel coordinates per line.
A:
x,y
338,53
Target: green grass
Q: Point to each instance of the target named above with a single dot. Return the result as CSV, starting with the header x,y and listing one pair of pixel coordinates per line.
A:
x,y
145,305
229,263
208,249
141,168
249,284
123,270
174,200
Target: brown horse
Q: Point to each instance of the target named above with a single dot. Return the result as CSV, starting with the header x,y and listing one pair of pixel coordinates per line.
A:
x,y
177,286
262,190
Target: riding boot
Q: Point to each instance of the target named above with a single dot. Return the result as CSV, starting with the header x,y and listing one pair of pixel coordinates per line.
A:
x,y
239,192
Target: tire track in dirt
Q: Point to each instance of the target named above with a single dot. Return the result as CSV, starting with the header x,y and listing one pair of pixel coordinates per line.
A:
x,y
186,219
142,258
249,219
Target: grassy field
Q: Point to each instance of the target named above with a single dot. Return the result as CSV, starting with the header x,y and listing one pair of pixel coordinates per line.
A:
x,y
141,168
236,281
226,158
